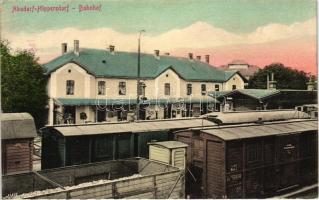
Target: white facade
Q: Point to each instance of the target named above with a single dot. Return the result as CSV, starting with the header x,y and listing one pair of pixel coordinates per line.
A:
x,y
86,87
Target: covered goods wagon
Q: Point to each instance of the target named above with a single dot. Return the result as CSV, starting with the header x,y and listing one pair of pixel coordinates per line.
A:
x,y
79,144
251,160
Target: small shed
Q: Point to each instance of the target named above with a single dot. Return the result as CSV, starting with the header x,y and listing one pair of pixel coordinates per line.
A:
x,y
169,152
78,144
17,134
251,160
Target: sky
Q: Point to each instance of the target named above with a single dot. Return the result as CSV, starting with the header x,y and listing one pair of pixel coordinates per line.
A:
x,y
258,31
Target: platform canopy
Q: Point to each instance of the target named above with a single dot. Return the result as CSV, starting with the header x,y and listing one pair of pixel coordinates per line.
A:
x,y
258,94
119,102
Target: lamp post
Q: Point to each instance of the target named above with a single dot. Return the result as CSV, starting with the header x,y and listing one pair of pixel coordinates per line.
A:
x,y
138,74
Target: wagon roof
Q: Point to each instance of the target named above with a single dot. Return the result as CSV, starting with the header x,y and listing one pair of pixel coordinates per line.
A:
x,y
134,127
171,144
271,129
17,125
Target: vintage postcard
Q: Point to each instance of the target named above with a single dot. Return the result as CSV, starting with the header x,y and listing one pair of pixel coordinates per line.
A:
x,y
159,99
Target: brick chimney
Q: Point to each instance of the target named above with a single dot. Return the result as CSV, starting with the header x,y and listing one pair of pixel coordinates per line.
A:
x,y
156,54
198,58
207,59
272,84
190,56
311,84
76,50
112,48
64,47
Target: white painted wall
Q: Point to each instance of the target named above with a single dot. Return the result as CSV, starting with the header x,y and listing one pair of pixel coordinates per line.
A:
x,y
86,86
235,80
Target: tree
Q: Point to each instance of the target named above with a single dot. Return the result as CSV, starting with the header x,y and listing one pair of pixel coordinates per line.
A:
x,y
23,84
286,77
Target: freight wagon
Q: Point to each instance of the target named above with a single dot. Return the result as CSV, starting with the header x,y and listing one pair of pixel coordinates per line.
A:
x,y
238,117
251,160
134,178
79,144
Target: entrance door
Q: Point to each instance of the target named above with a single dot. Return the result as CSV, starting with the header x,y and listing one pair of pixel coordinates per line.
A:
x,y
101,115
204,109
69,114
168,111
142,114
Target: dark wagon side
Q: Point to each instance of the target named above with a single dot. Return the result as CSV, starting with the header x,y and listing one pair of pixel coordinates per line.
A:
x,y
251,160
79,144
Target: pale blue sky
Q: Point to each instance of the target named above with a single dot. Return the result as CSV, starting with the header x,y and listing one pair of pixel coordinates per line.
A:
x,y
159,16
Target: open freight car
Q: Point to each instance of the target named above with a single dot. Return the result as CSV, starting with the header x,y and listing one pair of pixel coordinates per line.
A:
x,y
251,160
134,178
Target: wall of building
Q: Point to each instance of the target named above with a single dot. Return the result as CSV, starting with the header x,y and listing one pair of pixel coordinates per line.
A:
x,y
235,80
86,86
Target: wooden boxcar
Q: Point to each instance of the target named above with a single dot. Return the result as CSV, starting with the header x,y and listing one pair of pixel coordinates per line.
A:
x,y
134,178
17,134
78,144
251,160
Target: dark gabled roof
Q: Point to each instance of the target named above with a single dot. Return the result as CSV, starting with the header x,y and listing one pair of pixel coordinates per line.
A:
x,y
17,125
231,73
102,63
258,94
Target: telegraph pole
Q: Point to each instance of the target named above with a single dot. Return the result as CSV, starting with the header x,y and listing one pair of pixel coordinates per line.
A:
x,y
138,75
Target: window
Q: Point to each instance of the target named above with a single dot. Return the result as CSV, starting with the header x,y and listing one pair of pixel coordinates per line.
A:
x,y
167,89
234,87
122,88
101,88
216,87
203,87
141,90
189,89
69,87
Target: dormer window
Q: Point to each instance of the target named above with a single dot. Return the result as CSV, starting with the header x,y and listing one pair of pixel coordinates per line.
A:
x,y
70,87
101,88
